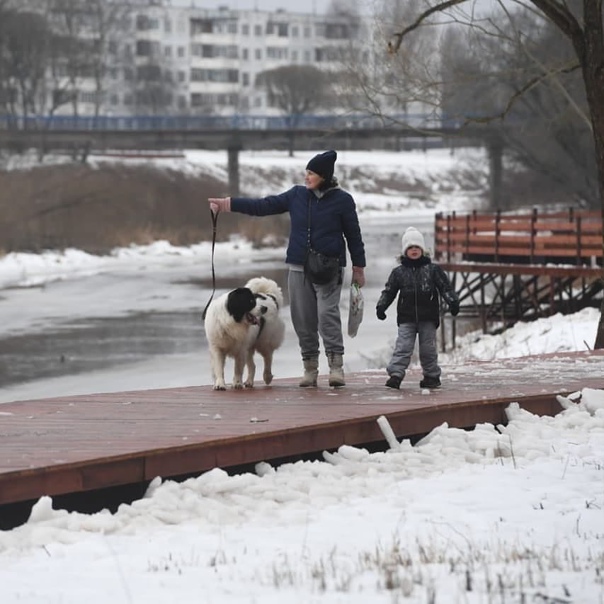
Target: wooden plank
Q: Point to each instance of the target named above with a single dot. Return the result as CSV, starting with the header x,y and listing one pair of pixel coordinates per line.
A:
x,y
83,443
498,268
565,236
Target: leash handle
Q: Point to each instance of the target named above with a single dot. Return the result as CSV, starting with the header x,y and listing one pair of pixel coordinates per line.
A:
x,y
214,223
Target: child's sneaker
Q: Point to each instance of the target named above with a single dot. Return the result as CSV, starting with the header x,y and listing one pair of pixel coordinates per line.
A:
x,y
394,381
430,382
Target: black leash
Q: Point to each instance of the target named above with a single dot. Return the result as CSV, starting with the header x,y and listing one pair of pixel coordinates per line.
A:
x,y
214,223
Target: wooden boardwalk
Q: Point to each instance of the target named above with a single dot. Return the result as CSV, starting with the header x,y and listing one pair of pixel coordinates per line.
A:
x,y
82,443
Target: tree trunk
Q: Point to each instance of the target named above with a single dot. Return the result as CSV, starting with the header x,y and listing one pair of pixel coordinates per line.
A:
x,y
590,50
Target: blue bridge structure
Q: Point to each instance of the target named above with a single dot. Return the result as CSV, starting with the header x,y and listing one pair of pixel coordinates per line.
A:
x,y
81,135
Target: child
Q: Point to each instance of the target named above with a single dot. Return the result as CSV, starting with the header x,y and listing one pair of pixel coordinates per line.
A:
x,y
419,283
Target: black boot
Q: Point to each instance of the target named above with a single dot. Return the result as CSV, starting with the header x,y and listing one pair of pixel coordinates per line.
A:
x,y
394,381
430,382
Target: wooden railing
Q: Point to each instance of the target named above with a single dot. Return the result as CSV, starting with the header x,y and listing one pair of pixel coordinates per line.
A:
x,y
571,237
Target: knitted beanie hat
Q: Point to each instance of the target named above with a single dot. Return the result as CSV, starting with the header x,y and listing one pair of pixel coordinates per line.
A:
x,y
413,237
323,164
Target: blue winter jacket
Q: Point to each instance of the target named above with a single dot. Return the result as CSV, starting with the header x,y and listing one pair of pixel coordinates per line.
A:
x,y
333,219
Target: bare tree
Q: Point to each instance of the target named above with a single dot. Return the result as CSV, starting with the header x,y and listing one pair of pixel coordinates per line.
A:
x,y
6,95
86,34
296,90
581,22
25,41
397,90
107,20
70,53
546,130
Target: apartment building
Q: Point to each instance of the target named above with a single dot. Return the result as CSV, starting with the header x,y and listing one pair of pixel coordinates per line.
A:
x,y
171,60
125,58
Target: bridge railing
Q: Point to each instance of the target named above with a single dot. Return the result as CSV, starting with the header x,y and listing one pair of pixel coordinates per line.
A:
x,y
216,122
570,237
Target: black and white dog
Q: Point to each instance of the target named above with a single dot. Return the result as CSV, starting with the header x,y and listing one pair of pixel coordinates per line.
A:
x,y
240,323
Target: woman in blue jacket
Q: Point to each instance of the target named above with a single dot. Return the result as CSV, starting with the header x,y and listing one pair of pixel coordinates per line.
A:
x,y
324,217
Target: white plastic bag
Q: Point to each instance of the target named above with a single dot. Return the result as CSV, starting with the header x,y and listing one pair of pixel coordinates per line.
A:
x,y
355,309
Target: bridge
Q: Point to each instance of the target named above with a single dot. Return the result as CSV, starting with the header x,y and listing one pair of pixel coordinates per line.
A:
x,y
81,136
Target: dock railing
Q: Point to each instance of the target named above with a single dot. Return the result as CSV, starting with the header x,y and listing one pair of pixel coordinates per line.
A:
x,y
568,237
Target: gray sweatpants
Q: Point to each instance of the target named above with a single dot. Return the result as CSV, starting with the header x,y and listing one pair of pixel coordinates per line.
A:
x,y
403,349
315,310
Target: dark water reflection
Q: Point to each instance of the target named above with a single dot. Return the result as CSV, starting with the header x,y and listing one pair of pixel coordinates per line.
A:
x,y
91,344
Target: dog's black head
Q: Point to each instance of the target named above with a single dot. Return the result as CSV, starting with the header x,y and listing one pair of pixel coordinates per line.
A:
x,y
241,303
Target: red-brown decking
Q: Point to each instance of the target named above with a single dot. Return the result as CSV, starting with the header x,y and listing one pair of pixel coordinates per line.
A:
x,y
81,443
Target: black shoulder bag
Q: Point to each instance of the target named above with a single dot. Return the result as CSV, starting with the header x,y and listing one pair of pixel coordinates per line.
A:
x,y
318,268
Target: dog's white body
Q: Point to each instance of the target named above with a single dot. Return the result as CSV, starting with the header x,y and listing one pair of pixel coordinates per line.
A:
x,y
271,330
241,322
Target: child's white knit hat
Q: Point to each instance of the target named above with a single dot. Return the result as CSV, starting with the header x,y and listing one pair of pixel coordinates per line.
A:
x,y
413,237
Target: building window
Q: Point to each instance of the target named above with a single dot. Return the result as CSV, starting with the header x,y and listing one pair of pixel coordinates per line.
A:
x,y
324,55
148,73
60,97
201,26
146,23
336,31
88,97
228,76
258,54
258,31
144,48
276,53
214,100
277,29
245,30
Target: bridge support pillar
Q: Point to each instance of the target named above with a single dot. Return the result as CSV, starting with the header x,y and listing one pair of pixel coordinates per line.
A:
x,y
233,168
495,149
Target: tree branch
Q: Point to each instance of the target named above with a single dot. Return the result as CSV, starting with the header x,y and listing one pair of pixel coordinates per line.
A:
x,y
393,46
561,17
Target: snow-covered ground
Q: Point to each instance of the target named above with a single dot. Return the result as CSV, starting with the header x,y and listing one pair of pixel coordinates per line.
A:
x,y
501,514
